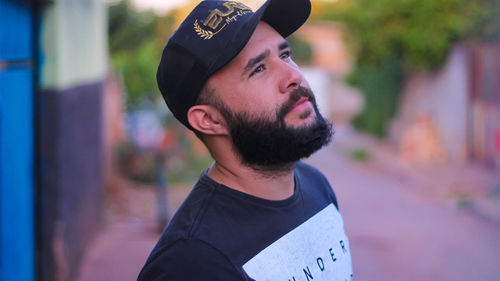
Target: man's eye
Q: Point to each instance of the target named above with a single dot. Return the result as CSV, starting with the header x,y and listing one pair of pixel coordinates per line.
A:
x,y
258,69
286,54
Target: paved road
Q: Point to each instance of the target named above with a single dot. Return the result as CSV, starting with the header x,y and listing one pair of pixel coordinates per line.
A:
x,y
399,234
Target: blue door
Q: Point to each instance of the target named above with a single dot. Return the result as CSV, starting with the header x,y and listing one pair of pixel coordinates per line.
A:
x,y
17,245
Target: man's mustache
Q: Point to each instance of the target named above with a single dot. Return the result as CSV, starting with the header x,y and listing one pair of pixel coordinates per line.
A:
x,y
295,96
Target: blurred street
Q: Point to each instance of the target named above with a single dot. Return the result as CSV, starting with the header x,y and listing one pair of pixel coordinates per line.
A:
x,y
404,223
401,230
87,142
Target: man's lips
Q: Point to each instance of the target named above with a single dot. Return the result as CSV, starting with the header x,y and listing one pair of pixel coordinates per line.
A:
x,y
301,103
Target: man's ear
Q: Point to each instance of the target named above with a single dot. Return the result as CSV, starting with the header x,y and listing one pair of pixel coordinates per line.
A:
x,y
207,120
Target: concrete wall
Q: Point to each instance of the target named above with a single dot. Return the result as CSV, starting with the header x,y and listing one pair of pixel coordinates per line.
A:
x,y
484,110
74,43
433,113
73,70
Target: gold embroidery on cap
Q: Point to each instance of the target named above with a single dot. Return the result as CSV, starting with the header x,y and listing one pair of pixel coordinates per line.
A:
x,y
205,34
216,17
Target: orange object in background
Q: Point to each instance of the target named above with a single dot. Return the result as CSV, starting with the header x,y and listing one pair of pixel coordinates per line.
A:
x,y
420,143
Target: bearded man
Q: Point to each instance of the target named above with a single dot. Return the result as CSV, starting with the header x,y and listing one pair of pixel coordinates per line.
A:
x,y
257,213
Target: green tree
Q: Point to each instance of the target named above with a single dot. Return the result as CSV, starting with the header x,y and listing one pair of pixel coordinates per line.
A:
x,y
302,50
136,40
391,38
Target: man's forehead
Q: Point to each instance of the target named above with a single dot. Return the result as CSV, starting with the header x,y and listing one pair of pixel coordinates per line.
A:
x,y
263,38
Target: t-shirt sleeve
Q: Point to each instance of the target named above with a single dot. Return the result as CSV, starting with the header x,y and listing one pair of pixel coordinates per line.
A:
x,y
189,260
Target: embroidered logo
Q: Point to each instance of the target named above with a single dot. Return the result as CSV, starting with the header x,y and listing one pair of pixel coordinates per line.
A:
x,y
212,24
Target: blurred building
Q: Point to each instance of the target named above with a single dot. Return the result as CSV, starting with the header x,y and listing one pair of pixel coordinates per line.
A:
x,y
53,69
453,115
330,56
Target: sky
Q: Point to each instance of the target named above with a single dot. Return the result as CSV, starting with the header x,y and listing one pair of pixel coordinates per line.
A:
x,y
158,5
162,6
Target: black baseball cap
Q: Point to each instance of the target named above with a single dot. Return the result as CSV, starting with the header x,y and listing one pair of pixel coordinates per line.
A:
x,y
210,37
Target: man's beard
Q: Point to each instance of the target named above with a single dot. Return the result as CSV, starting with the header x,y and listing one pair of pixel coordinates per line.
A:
x,y
271,145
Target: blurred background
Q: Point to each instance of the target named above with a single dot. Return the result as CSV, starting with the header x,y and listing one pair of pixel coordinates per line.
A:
x,y
93,165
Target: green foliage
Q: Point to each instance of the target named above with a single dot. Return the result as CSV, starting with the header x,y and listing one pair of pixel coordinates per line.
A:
x,y
136,40
486,23
191,169
390,38
381,86
138,68
128,28
302,50
418,32
360,154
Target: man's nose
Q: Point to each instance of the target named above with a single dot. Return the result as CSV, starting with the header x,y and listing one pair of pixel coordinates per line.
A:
x,y
291,77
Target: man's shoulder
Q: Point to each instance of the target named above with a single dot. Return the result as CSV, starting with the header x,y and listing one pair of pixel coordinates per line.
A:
x,y
303,169
186,219
300,165
314,183
205,263
185,242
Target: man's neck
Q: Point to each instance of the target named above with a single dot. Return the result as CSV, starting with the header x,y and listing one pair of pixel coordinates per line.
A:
x,y
271,184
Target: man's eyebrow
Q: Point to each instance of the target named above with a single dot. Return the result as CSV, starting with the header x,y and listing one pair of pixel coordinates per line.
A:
x,y
283,45
255,60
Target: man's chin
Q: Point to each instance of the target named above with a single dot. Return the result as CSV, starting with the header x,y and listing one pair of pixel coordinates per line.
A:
x,y
305,119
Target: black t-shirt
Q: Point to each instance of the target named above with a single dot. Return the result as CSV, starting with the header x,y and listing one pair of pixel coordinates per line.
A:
x,y
222,234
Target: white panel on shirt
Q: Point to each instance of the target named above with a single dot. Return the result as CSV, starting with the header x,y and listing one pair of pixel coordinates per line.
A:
x,y
317,249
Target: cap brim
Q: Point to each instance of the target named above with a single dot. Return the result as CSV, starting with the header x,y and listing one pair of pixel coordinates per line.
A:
x,y
286,16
